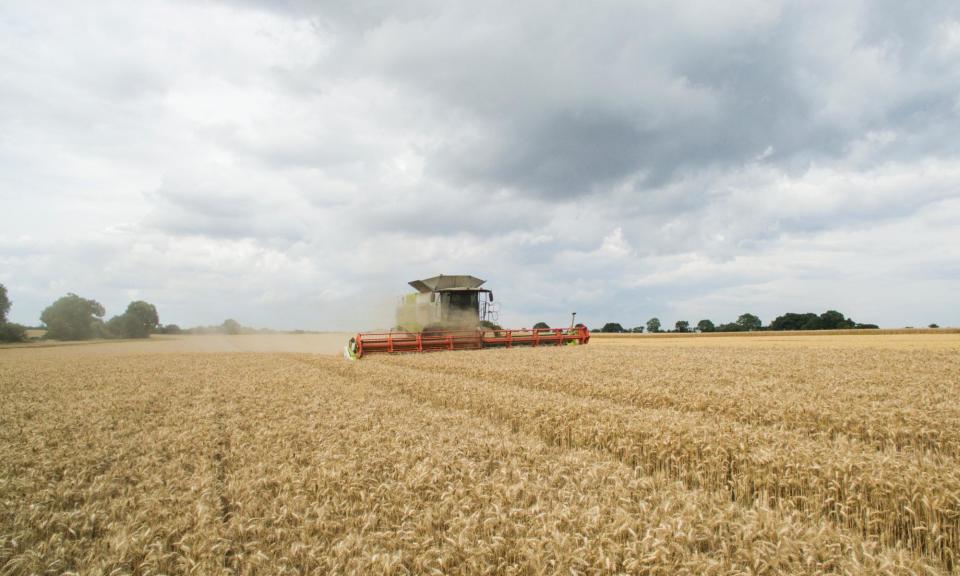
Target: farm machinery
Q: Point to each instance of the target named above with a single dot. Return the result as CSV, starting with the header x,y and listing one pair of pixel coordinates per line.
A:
x,y
455,313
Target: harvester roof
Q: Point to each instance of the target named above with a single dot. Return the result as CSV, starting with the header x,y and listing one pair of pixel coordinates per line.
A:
x,y
443,283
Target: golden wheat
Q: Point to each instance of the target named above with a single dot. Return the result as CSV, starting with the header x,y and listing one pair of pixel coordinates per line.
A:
x,y
763,457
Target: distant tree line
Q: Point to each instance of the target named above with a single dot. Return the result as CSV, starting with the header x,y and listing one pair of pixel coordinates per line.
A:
x,y
829,320
75,318
229,327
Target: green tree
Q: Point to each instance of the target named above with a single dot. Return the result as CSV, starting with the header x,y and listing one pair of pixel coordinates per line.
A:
x,y
5,304
171,329
706,326
116,327
794,321
11,332
829,320
682,326
612,327
541,325
653,325
141,319
933,326
72,318
833,320
231,326
749,322
637,330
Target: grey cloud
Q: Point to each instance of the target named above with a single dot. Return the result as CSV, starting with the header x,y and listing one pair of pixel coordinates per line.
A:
x,y
568,153
225,204
634,97
439,215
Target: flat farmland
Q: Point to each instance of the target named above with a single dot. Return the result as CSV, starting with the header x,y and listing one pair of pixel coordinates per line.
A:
x,y
774,454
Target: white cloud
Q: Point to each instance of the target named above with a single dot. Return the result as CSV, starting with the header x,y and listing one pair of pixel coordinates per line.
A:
x,y
615,245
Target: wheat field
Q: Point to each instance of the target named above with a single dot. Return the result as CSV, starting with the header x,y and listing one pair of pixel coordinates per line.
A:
x,y
760,455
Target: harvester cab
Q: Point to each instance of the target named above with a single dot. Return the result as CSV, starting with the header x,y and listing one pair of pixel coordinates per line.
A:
x,y
446,303
454,313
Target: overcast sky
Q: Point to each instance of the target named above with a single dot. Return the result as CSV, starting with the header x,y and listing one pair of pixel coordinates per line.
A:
x,y
294,164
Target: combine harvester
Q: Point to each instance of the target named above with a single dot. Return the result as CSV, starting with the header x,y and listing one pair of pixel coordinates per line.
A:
x,y
455,313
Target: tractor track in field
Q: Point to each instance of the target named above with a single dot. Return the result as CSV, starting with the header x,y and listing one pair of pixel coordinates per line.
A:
x,y
930,442
224,506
